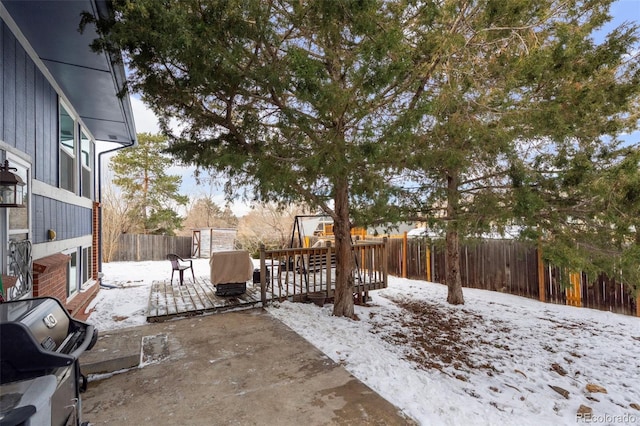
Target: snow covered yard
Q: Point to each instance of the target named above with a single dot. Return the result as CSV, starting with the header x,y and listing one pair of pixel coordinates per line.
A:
x,y
498,359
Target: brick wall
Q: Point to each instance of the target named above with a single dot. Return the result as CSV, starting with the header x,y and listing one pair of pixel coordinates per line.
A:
x,y
50,277
77,304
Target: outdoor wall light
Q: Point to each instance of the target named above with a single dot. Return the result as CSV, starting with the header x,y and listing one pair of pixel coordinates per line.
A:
x,y
11,187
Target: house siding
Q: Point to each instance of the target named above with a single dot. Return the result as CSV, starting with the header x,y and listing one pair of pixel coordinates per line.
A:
x,y
8,83
29,109
68,220
29,123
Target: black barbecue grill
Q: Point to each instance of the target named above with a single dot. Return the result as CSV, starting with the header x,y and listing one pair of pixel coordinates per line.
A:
x,y
40,378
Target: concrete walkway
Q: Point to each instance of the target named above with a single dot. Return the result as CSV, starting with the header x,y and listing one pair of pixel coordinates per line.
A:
x,y
236,368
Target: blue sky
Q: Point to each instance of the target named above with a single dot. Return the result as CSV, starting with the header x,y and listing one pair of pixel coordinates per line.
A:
x,y
625,11
622,11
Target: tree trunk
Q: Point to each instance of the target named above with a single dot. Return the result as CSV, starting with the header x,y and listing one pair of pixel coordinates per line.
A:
x,y
454,281
145,202
343,300
452,262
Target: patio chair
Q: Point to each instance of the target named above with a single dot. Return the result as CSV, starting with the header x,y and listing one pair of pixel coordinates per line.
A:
x,y
179,264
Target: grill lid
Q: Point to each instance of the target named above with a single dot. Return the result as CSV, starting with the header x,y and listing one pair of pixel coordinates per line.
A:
x,y
38,337
47,320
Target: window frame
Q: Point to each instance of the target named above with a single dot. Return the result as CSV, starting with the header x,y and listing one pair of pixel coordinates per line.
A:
x,y
86,266
65,150
19,163
23,289
86,185
76,287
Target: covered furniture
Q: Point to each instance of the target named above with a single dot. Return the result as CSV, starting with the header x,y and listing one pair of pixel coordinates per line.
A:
x,y
230,271
180,265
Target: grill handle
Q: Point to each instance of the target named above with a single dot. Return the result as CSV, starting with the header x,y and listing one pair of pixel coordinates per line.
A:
x,y
88,338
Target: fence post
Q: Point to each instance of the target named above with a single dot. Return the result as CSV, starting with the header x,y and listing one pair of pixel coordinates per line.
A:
x,y
385,261
404,254
541,287
574,292
428,262
263,276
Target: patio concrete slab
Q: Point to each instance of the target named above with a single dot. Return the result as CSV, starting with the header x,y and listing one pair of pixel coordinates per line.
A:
x,y
235,368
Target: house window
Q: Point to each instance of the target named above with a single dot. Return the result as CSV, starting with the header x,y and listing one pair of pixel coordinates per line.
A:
x,y
86,161
15,247
86,264
79,269
72,274
67,150
19,217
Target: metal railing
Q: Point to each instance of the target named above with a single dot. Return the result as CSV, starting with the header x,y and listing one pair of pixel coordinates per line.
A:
x,y
20,267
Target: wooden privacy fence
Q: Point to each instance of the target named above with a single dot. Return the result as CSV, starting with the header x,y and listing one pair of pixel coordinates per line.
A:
x,y
597,292
138,247
511,267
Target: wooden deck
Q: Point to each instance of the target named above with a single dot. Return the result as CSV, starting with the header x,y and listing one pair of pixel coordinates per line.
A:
x,y
168,301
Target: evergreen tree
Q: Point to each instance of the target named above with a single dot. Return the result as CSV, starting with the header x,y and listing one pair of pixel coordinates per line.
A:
x,y
140,173
588,215
508,88
330,103
286,97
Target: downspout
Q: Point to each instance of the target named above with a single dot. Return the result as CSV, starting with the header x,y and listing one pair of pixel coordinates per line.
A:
x,y
130,144
104,9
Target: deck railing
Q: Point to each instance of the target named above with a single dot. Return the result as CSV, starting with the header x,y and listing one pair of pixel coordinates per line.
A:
x,y
295,273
